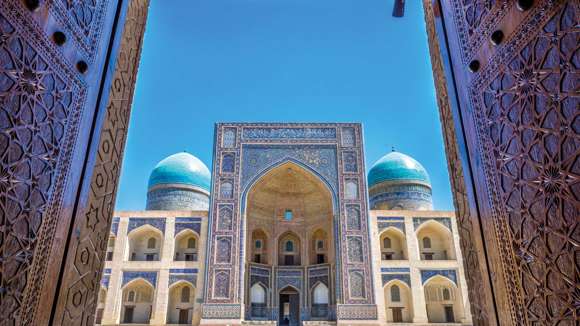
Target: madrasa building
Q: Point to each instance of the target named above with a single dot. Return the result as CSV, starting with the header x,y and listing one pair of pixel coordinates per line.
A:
x,y
286,230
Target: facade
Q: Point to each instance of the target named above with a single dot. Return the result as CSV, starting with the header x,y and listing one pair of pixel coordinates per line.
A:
x,y
287,237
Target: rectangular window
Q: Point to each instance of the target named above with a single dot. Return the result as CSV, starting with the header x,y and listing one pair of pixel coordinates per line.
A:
x,y
109,256
257,259
150,257
288,215
428,256
188,257
320,259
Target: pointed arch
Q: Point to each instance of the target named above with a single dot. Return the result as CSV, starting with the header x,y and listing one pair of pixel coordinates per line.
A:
x,y
141,247
436,241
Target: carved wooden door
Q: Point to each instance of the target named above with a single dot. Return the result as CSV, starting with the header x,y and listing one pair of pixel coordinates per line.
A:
x,y
511,118
62,134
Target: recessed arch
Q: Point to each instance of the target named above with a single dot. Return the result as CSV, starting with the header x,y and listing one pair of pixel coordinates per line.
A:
x,y
137,298
289,249
259,246
320,298
138,244
443,300
393,243
186,245
259,299
264,172
435,241
181,301
398,309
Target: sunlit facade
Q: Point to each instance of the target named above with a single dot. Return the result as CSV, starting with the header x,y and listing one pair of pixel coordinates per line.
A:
x,y
286,238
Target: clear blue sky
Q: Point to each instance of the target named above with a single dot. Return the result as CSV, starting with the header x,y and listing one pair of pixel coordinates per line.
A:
x,y
206,61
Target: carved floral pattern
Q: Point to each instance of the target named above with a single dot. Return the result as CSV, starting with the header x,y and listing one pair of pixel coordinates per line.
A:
x,y
528,127
40,107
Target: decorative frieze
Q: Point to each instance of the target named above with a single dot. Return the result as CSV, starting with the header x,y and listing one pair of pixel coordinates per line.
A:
x,y
129,276
322,159
135,222
450,274
187,223
445,221
221,311
188,275
356,312
385,222
288,133
406,278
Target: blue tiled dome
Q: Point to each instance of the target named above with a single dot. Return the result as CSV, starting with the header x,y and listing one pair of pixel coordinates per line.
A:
x,y
181,168
397,166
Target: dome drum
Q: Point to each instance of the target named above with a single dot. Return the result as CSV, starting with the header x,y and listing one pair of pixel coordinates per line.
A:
x,y
397,181
401,197
179,182
177,198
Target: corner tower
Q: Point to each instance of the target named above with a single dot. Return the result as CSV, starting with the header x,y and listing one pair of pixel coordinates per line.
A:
x,y
398,182
179,182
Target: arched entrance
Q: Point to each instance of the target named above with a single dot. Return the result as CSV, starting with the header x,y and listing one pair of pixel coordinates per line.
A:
x,y
181,300
289,227
289,307
443,300
137,302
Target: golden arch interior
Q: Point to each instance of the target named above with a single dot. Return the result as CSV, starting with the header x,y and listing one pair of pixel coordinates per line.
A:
x,y
289,225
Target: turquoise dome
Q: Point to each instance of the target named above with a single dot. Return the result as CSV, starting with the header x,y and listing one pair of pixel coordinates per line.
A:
x,y
397,166
181,168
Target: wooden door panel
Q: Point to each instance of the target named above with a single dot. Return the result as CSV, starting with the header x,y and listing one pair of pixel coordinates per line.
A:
x,y
52,55
519,109
84,261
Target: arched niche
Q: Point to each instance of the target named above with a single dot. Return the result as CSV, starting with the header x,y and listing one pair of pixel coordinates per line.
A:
x,y
144,244
435,241
443,300
289,246
321,249
258,301
180,304
320,301
398,302
186,246
259,245
137,302
393,244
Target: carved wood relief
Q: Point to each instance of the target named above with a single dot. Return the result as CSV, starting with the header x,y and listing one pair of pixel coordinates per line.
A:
x,y
49,91
41,103
84,263
476,271
521,120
